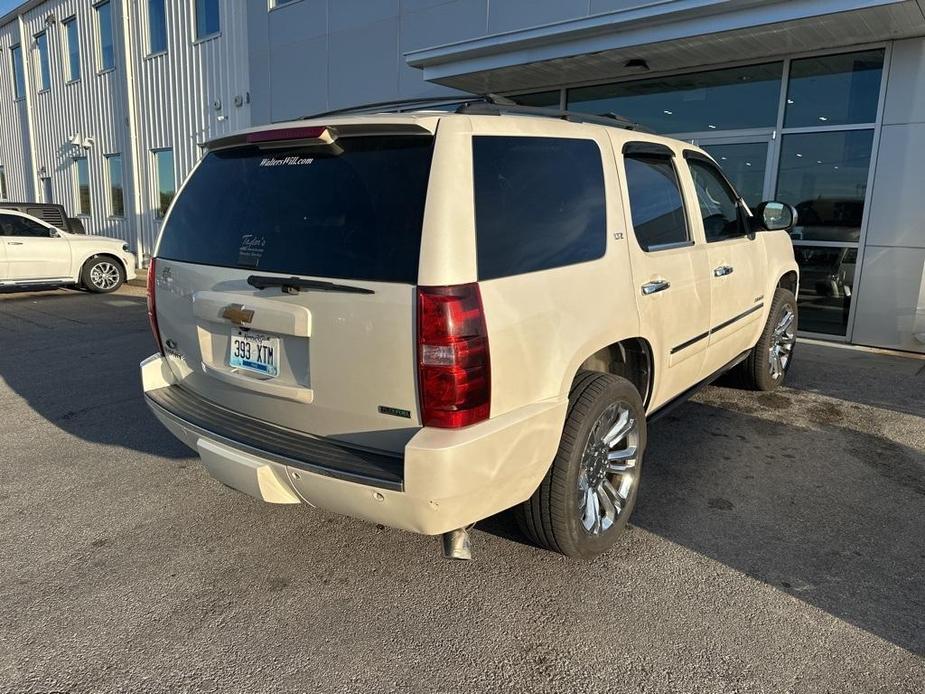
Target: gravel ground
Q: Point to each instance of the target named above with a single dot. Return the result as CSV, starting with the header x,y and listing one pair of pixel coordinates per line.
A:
x,y
778,546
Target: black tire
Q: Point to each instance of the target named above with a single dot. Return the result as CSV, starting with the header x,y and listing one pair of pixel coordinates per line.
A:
x,y
755,372
102,275
552,518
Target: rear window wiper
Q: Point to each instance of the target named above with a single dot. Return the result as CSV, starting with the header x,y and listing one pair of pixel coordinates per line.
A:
x,y
293,285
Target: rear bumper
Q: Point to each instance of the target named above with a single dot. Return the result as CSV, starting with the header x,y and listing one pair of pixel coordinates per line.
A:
x,y
446,479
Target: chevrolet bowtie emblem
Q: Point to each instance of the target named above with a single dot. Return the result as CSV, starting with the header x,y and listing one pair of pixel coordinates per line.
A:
x,y
237,314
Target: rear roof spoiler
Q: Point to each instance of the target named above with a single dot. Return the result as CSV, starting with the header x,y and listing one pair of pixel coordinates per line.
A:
x,y
290,132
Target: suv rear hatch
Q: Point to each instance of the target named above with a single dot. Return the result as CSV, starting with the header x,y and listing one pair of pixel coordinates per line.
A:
x,y
285,280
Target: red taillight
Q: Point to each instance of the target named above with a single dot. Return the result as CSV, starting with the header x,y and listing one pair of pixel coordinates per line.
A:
x,y
152,306
453,357
281,134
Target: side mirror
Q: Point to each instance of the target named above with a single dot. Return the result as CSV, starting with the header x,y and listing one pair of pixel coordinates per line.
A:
x,y
775,216
53,233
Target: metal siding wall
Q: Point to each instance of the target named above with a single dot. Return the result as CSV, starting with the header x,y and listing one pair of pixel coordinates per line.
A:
x,y
14,146
176,94
173,95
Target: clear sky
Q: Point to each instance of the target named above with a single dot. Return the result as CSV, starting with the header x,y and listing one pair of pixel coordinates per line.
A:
x,y
7,5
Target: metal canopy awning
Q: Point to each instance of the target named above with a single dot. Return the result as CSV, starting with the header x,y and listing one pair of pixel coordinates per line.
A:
x,y
669,35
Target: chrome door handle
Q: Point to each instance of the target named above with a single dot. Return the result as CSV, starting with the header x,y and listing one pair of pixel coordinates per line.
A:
x,y
723,270
14,243
655,286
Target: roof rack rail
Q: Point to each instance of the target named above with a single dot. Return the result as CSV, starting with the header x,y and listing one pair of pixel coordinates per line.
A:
x,y
485,108
483,105
400,105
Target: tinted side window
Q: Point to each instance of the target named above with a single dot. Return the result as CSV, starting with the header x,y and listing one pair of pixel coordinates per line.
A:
x,y
20,226
656,205
718,204
539,203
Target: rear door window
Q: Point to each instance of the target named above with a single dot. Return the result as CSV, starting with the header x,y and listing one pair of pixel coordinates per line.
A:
x,y
656,205
350,212
539,203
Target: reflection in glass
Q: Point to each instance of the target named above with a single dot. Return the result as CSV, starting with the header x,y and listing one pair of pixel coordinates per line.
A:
x,y
739,97
834,89
744,164
824,176
826,287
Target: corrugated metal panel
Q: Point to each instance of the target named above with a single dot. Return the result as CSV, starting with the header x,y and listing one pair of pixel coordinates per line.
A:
x,y
14,151
180,98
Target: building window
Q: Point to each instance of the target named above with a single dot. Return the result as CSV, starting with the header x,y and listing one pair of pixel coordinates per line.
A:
x,y
540,99
3,195
82,185
207,19
157,27
277,3
116,190
745,163
834,90
107,52
166,181
72,37
19,76
728,99
42,68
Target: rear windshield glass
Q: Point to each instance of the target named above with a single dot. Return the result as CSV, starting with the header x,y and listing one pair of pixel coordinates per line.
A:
x,y
539,203
352,214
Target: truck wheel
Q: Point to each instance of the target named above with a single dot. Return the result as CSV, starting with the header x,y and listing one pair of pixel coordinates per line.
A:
x,y
770,358
102,275
582,505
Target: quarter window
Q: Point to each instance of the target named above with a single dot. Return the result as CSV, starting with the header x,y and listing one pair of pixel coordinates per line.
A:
x,y
107,55
539,204
157,26
42,69
19,76
116,190
82,181
656,205
207,18
72,34
719,206
166,182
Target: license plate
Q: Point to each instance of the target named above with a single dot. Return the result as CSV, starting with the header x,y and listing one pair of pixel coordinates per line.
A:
x,y
255,352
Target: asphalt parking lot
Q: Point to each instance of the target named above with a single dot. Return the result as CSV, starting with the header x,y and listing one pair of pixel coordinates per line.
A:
x,y
778,546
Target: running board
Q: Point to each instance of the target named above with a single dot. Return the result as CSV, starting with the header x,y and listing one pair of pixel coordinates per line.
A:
x,y
662,410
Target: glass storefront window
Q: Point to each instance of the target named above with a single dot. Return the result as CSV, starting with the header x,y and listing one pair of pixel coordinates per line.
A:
x,y
745,164
834,89
824,176
540,99
826,287
728,99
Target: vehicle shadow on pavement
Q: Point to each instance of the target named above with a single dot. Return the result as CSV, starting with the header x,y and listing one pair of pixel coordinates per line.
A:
x,y
73,357
827,513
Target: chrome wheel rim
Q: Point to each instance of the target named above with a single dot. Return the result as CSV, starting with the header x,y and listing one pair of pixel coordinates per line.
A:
x,y
609,469
782,341
104,275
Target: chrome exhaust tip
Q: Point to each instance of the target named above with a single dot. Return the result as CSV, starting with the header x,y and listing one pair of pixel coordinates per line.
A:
x,y
457,544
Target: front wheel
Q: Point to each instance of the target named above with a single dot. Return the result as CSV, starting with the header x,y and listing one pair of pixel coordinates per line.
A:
x,y
768,362
102,275
582,506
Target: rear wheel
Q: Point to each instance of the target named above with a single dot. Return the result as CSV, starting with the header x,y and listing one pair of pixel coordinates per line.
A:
x,y
768,362
582,506
102,275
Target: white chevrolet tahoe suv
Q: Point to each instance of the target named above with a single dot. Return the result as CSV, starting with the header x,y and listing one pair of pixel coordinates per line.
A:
x,y
34,253
423,319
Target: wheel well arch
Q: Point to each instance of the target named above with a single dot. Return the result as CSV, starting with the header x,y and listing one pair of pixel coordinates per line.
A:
x,y
110,256
630,358
789,281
